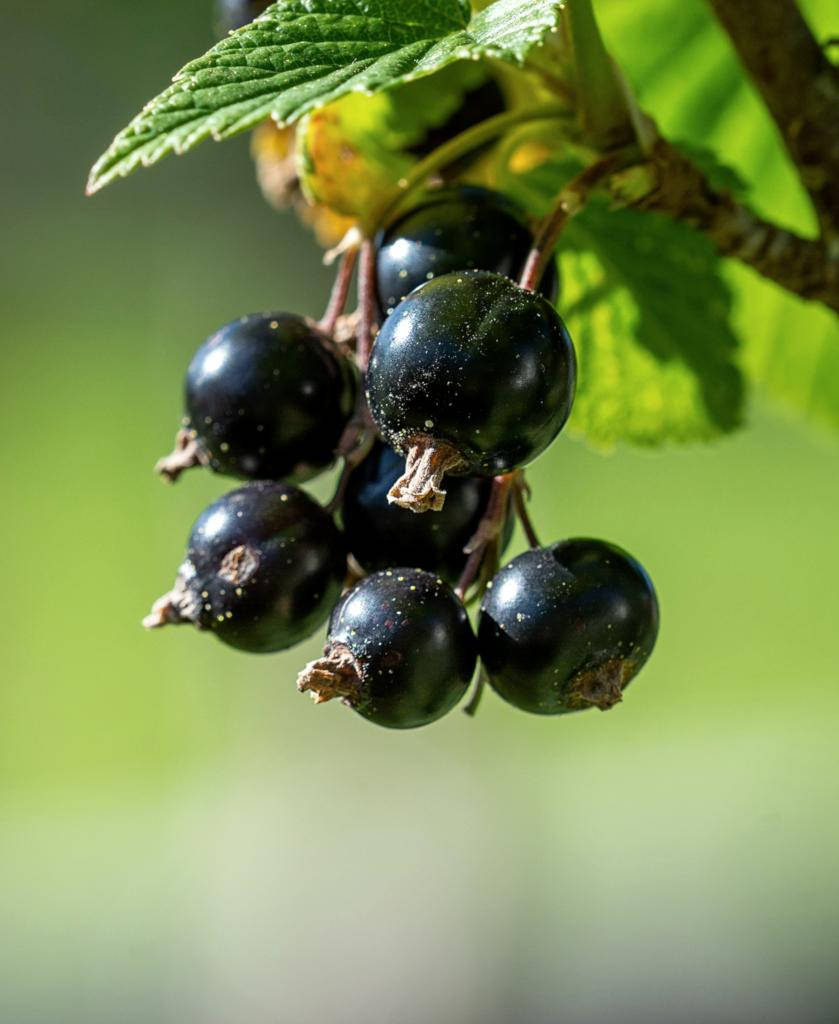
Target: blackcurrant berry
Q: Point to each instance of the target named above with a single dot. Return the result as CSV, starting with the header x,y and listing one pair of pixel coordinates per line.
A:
x,y
380,534
400,650
566,627
458,229
469,374
233,14
264,565
267,397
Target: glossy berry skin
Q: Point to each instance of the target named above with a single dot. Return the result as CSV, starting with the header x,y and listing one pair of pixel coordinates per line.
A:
x,y
566,627
472,360
412,645
380,534
264,566
268,397
233,14
466,228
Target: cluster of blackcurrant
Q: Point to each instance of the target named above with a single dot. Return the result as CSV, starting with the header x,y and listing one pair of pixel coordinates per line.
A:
x,y
456,378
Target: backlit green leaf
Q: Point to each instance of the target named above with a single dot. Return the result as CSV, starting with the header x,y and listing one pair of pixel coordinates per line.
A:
x,y
302,54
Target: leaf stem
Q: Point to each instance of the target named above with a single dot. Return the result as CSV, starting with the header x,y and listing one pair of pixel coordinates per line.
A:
x,y
606,119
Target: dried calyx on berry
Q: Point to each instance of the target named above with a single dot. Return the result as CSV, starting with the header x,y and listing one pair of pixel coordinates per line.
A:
x,y
267,398
566,627
470,374
400,650
264,565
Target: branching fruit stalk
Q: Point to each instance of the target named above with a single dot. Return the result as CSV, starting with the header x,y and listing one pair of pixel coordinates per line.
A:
x,y
489,529
474,701
521,493
360,433
571,200
366,303
340,291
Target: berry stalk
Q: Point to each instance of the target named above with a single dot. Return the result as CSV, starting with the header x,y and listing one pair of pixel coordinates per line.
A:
x,y
487,533
521,492
477,692
366,303
340,291
360,433
570,201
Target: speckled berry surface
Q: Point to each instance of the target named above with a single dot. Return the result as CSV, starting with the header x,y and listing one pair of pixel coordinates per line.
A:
x,y
412,644
566,627
264,565
472,360
466,228
268,397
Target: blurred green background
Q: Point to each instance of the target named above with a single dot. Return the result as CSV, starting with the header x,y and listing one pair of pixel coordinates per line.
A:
x,y
184,838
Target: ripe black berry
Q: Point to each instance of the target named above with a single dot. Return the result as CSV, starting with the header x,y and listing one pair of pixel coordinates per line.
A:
x,y
267,397
458,229
400,650
380,534
232,14
566,627
264,564
469,374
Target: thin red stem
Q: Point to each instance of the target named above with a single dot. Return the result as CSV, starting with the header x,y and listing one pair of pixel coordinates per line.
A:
x,y
488,530
477,692
366,302
354,448
569,202
524,516
360,432
340,291
470,571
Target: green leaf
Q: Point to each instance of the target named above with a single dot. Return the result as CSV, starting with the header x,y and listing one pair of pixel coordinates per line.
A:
x,y
790,348
401,116
302,54
650,317
649,310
